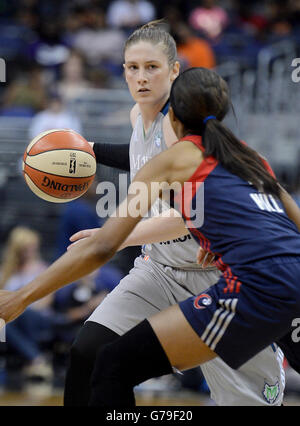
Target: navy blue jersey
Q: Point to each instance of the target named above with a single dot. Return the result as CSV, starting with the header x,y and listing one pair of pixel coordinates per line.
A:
x,y
241,225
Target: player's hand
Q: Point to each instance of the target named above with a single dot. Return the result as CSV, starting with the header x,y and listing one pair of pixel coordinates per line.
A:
x,y
11,305
81,235
205,259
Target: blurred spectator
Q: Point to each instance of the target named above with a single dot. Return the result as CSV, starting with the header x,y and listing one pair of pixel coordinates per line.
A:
x,y
192,50
26,95
100,45
130,14
78,300
73,83
22,259
7,8
55,116
21,263
279,22
294,6
209,19
49,49
27,14
253,21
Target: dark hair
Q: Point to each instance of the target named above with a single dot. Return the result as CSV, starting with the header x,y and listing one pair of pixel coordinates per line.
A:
x,y
155,33
198,93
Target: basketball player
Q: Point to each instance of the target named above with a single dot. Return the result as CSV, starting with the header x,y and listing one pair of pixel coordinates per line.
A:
x,y
156,283
257,297
167,272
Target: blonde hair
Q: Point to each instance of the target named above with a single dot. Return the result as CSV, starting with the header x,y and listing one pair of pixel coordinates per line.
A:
x,y
153,32
19,238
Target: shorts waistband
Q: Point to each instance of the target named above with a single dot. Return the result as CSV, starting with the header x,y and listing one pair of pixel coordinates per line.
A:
x,y
194,268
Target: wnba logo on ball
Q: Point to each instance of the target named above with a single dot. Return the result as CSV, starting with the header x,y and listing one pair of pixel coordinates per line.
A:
x,y
2,70
202,301
72,168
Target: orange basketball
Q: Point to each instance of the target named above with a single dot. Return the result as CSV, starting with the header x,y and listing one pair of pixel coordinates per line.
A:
x,y
59,165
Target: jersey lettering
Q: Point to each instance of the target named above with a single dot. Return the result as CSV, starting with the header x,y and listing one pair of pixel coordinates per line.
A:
x,y
138,161
177,240
266,202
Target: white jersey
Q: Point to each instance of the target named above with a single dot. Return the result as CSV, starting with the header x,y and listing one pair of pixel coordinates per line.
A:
x,y
181,252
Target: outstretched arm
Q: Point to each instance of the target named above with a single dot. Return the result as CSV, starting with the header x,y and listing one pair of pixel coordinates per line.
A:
x,y
112,155
165,227
92,253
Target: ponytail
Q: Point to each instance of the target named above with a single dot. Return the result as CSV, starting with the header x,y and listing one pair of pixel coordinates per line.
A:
x,y
200,100
237,157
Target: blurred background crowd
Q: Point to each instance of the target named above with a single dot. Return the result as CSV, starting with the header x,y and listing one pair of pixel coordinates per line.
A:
x,y
64,70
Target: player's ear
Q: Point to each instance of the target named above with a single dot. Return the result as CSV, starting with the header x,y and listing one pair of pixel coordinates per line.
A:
x,y
175,71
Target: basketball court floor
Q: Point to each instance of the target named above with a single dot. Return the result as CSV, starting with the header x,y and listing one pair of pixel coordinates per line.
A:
x,y
46,397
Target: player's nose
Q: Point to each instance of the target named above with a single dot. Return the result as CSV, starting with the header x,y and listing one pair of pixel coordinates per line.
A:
x,y
142,78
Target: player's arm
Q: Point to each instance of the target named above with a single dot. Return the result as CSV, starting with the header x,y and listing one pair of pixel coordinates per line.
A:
x,y
290,206
167,226
112,154
94,252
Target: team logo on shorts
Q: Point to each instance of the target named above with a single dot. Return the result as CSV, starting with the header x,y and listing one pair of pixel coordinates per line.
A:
x,y
202,301
271,392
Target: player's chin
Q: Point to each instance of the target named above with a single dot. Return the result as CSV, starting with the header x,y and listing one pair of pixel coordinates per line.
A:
x,y
146,97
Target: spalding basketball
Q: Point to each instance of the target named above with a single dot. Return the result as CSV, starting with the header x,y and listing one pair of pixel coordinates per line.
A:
x,y
59,165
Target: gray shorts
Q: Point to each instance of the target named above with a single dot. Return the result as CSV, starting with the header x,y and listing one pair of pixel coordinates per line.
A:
x,y
151,287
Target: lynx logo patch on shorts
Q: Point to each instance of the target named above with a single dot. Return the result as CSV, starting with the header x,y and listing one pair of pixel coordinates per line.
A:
x,y
271,392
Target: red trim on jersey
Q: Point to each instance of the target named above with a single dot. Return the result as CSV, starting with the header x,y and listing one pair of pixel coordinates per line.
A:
x,y
233,285
268,167
184,198
204,242
207,165
205,168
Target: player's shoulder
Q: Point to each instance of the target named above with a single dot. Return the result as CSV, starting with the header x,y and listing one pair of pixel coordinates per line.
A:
x,y
135,111
183,155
